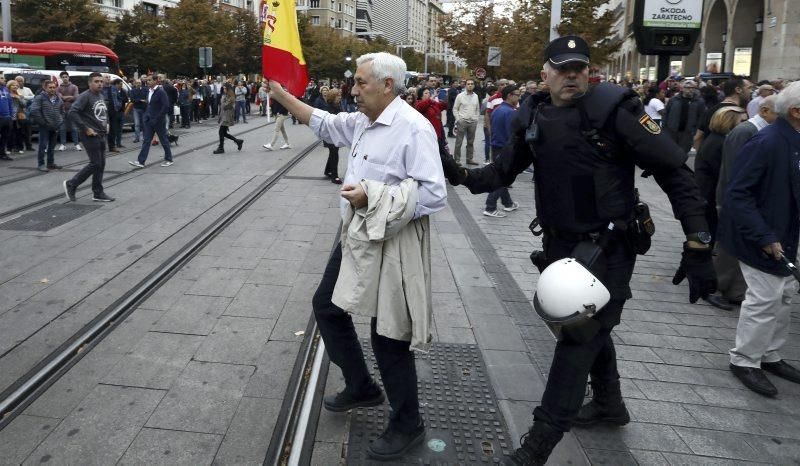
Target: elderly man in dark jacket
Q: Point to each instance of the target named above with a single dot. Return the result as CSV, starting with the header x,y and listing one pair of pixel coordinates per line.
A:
x,y
759,225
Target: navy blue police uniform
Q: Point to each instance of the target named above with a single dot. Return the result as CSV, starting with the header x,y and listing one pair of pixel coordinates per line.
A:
x,y
585,157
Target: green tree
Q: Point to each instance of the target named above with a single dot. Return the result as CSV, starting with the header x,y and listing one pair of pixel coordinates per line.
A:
x,y
582,18
522,33
243,52
192,24
68,20
136,32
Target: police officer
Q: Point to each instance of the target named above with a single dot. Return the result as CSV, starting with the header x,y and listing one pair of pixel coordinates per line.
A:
x,y
585,145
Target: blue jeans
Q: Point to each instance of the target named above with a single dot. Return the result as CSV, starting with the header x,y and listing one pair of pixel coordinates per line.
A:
x,y
67,124
155,127
241,106
138,114
502,193
47,141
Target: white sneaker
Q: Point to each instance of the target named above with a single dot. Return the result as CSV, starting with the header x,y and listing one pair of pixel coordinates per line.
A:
x,y
78,147
61,147
286,146
135,163
514,206
494,213
268,146
167,163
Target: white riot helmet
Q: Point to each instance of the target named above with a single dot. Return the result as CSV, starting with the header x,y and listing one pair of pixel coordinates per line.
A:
x,y
567,292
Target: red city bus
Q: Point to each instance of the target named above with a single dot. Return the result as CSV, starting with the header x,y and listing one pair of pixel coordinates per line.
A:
x,y
70,56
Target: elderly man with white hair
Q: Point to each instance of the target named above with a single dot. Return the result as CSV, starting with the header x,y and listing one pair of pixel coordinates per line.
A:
x,y
381,269
759,225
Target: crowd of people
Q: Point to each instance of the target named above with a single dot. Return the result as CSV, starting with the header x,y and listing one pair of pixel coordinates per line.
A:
x,y
579,140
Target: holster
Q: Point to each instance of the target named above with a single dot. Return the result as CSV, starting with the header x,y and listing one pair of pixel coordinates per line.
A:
x,y
641,227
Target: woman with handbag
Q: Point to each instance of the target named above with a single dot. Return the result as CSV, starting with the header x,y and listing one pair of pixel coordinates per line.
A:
x,y
18,120
226,119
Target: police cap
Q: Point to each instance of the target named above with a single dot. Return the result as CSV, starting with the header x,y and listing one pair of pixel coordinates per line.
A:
x,y
567,49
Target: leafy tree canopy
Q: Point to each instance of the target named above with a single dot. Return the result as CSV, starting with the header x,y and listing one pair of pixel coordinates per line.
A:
x,y
67,20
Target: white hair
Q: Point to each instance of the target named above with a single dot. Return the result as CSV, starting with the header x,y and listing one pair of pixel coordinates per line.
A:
x,y
768,102
385,65
788,99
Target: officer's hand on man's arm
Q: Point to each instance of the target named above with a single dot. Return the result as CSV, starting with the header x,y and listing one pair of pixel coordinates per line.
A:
x,y
455,173
697,266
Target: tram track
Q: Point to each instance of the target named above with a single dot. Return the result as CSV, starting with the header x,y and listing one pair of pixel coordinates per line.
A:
x,y
107,180
26,389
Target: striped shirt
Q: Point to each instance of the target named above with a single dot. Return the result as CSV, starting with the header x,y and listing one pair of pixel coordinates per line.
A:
x,y
399,144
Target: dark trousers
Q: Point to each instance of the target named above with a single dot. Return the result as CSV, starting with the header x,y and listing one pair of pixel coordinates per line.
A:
x,y
223,133
486,144
451,121
117,131
591,351
155,127
47,143
113,128
395,360
332,166
214,105
5,133
96,151
196,110
501,193
24,128
185,110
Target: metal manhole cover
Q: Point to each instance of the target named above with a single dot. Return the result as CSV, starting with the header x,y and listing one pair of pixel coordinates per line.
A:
x,y
48,217
462,417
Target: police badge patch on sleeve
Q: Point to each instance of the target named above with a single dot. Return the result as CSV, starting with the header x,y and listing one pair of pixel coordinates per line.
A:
x,y
650,125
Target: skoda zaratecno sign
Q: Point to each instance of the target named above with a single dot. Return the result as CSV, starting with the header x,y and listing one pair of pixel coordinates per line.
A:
x,y
673,13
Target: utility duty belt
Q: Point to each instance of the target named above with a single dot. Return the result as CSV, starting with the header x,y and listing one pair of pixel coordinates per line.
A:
x,y
636,232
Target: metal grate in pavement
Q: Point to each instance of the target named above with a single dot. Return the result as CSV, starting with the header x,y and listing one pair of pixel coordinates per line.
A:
x,y
462,417
48,217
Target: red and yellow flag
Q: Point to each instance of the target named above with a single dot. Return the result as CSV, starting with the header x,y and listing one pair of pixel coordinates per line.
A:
x,y
281,53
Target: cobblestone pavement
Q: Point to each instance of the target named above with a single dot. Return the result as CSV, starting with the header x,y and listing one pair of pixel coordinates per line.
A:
x,y
197,374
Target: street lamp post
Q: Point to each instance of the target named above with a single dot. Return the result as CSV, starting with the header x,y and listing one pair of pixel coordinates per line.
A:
x,y
6,12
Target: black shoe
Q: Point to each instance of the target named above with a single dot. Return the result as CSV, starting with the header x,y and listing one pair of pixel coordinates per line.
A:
x,y
336,180
606,406
239,144
754,379
173,139
719,302
393,444
345,401
102,197
69,191
52,166
219,150
536,446
783,370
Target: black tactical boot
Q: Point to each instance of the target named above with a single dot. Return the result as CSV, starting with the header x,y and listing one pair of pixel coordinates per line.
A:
x,y
536,446
606,406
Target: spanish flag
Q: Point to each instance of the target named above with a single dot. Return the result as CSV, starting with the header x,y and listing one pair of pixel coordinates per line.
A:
x,y
281,53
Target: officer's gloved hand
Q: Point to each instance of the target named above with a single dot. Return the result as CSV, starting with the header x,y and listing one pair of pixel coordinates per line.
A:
x,y
697,266
455,173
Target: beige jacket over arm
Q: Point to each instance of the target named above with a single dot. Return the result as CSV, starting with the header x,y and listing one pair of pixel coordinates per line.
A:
x,y
386,266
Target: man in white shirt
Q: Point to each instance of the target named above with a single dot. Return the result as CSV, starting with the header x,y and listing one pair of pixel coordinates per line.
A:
x,y
390,142
765,90
467,110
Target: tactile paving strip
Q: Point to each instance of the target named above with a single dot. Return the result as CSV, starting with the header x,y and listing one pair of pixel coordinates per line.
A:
x,y
458,404
48,217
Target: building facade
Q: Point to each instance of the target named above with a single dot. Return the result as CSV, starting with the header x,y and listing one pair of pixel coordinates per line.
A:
x,y
756,38
338,14
114,9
